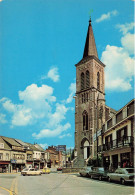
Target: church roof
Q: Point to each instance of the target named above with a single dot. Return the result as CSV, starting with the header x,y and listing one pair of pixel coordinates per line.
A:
x,y
90,45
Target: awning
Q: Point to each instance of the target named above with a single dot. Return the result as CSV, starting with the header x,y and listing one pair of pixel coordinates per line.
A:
x,y
4,163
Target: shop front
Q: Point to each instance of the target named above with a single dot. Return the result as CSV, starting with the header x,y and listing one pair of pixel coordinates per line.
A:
x,y
17,166
4,166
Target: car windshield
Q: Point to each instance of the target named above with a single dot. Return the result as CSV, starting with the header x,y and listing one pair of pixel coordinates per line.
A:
x,y
130,170
101,169
88,168
25,169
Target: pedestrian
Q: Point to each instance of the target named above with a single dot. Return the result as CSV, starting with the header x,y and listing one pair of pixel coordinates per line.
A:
x,y
125,164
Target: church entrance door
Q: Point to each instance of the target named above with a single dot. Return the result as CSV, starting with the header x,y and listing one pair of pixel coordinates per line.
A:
x,y
86,149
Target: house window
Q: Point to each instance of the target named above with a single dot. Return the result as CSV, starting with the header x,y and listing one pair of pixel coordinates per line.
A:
x,y
85,120
122,133
87,79
82,81
98,80
1,156
7,156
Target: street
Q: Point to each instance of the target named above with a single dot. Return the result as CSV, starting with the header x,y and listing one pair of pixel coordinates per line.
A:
x,y
59,183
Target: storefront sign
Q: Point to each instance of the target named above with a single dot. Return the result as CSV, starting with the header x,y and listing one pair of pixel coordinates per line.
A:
x,y
13,161
94,137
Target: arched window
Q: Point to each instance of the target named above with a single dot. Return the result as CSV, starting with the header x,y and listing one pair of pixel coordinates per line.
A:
x,y
82,98
87,79
82,81
85,120
98,80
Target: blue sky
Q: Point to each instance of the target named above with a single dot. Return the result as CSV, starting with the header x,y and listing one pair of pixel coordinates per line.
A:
x,y
40,42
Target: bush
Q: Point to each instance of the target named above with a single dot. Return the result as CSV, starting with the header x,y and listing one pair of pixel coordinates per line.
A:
x,y
93,161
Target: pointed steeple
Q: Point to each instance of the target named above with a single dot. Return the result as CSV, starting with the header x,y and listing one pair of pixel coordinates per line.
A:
x,y
90,45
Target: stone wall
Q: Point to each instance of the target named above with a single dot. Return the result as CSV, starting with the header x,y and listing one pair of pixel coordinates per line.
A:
x,y
71,170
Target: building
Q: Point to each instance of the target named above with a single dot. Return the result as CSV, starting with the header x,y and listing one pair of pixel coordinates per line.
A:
x,y
90,109
16,154
54,157
5,152
118,138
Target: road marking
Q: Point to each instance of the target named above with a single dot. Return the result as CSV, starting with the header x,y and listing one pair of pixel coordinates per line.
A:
x,y
7,190
14,186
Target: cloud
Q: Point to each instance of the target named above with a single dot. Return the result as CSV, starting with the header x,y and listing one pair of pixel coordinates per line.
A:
x,y
53,132
119,68
52,74
65,135
72,90
127,42
38,107
2,118
44,145
119,61
107,16
125,28
36,104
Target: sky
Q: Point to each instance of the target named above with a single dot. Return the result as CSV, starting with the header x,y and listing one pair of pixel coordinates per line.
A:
x,y
40,43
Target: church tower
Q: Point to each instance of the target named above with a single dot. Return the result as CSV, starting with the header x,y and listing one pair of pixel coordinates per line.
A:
x,y
89,100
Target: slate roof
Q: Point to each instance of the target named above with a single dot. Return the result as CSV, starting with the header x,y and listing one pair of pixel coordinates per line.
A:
x,y
6,146
11,141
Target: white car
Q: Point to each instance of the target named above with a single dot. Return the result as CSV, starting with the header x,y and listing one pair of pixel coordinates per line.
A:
x,y
30,171
122,175
85,171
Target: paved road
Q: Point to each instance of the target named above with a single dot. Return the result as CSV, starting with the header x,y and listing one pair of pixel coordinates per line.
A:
x,y
59,184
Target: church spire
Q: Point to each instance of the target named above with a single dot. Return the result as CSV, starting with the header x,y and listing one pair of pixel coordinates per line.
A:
x,y
90,45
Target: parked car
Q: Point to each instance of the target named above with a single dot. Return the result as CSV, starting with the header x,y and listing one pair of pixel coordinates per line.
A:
x,y
30,171
85,171
46,170
99,173
122,175
59,169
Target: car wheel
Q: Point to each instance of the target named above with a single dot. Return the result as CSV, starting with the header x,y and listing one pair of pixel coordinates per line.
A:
x,y
23,174
100,178
122,181
109,179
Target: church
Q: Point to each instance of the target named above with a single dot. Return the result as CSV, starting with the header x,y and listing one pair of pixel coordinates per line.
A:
x,y
90,109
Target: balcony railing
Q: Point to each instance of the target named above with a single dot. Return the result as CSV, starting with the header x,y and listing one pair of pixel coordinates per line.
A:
x,y
117,143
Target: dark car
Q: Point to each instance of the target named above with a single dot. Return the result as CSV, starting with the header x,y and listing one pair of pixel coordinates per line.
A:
x,y
99,173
